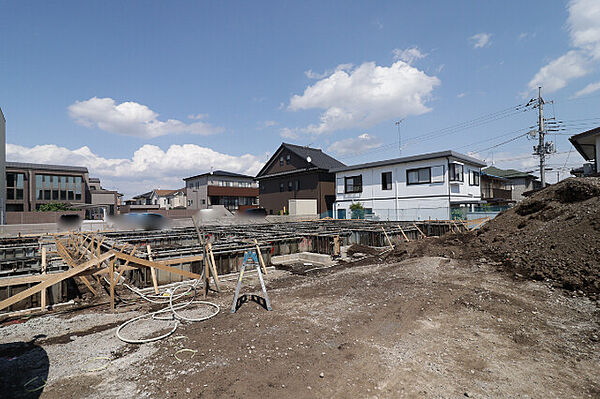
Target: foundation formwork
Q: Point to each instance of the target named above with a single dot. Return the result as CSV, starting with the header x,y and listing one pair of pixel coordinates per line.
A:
x,y
181,248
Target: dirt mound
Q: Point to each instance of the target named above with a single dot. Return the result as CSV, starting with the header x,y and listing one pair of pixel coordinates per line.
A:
x,y
364,249
554,234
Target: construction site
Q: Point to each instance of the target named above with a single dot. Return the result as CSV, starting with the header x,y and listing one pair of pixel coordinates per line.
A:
x,y
321,308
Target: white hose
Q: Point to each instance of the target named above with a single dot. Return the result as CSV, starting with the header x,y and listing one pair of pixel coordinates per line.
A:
x,y
171,309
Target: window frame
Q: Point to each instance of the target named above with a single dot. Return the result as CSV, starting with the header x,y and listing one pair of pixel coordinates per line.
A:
x,y
281,160
452,172
408,182
472,179
354,190
388,180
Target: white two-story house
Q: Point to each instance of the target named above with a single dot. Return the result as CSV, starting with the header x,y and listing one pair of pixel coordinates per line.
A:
x,y
439,185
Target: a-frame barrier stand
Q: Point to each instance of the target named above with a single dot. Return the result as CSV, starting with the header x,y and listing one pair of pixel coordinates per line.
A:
x,y
250,259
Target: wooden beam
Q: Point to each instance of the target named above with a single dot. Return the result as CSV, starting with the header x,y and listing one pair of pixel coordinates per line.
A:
x,y
260,258
56,278
177,261
404,234
388,238
143,262
10,281
417,227
152,270
213,267
44,266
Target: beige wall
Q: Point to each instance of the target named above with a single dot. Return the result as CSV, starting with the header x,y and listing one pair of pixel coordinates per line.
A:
x,y
39,217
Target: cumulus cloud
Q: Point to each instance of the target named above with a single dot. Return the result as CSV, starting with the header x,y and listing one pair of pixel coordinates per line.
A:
x,y
365,95
556,74
408,55
480,40
149,166
589,89
266,124
354,145
133,119
583,25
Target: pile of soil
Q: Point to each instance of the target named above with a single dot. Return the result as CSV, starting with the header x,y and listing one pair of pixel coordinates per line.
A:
x,y
552,235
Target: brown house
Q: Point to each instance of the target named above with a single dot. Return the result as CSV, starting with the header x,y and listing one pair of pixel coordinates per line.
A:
x,y
297,172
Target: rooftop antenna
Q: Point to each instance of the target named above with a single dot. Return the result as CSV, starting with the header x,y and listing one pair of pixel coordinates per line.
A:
x,y
399,138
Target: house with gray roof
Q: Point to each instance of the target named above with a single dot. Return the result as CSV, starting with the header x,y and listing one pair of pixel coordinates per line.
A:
x,y
297,172
438,185
517,182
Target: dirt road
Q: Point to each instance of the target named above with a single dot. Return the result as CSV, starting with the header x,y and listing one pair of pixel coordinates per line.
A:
x,y
425,327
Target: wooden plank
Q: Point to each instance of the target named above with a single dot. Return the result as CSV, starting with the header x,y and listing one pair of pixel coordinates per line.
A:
x,y
44,267
404,234
152,270
260,258
213,267
10,281
111,277
56,278
143,262
388,238
417,227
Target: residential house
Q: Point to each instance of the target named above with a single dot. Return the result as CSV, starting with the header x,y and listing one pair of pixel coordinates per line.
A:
x,y
518,182
588,145
177,199
495,189
297,172
234,191
439,185
103,202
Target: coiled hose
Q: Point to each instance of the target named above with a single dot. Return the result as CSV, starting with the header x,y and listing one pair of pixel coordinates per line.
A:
x,y
172,309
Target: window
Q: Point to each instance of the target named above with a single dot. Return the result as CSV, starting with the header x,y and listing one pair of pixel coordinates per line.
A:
x,y
281,187
455,171
287,159
474,180
353,184
418,176
437,174
386,181
290,186
297,185
281,160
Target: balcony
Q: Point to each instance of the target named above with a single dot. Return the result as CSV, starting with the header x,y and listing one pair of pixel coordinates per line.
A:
x,y
489,193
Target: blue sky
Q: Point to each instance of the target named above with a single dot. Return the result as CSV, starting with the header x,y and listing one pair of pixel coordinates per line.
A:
x,y
146,93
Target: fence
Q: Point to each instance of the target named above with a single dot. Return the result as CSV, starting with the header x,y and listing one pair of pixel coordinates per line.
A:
x,y
414,214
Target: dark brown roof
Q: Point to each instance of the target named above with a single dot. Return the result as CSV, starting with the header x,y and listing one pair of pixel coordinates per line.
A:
x,y
317,157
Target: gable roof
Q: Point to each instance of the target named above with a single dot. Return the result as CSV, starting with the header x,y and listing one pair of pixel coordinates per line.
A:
x,y
421,157
220,173
507,173
164,193
318,158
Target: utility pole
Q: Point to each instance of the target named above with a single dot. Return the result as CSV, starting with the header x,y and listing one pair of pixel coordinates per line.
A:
x,y
541,151
399,139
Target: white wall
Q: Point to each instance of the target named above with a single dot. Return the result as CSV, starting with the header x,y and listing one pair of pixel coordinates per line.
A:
x,y
598,153
407,201
302,206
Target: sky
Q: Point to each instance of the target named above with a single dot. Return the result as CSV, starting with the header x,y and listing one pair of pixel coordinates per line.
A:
x,y
145,93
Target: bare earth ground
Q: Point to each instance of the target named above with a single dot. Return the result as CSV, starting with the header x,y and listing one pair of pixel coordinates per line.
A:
x,y
424,327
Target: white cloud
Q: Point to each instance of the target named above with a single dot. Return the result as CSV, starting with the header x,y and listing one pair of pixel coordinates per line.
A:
x,y
589,89
266,124
198,116
461,95
365,95
556,74
149,166
315,75
408,55
584,30
480,40
132,119
288,133
354,145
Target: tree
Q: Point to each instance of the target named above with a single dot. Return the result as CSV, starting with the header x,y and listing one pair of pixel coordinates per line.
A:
x,y
54,207
358,210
